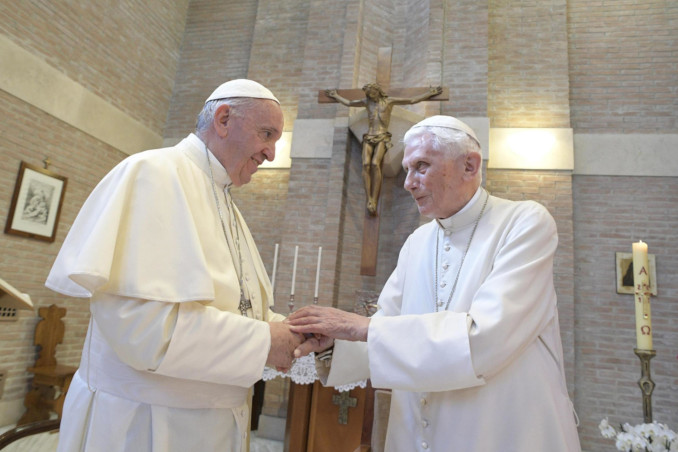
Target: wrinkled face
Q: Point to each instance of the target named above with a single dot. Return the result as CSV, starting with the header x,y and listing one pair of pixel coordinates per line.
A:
x,y
435,181
250,140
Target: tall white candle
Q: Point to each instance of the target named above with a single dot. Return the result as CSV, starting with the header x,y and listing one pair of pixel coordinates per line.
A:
x,y
641,283
317,272
294,268
275,266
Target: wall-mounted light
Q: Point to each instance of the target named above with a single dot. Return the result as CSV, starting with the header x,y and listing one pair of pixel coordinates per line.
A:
x,y
535,148
282,153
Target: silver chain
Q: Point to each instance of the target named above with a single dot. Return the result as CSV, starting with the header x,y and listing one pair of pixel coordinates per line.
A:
x,y
463,257
244,303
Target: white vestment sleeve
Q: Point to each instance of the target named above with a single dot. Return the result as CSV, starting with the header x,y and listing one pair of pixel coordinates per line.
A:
x,y
185,340
352,364
428,352
138,331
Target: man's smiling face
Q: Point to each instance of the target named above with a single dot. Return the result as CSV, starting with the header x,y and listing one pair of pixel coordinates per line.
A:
x,y
250,139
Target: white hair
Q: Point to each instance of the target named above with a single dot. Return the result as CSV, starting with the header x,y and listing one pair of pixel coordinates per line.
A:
x,y
239,106
455,142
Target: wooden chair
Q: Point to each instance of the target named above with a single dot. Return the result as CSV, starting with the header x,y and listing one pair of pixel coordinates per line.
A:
x,y
33,428
51,380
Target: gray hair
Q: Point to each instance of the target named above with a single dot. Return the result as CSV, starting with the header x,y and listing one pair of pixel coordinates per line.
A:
x,y
239,107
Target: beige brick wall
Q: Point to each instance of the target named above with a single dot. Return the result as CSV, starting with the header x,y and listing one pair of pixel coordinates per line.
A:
x,y
215,48
528,61
30,135
464,47
609,214
623,63
124,51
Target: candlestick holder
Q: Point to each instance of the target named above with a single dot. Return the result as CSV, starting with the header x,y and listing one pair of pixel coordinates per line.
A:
x,y
290,304
315,300
646,384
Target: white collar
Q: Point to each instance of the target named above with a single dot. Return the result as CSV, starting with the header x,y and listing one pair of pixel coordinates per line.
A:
x,y
197,152
467,215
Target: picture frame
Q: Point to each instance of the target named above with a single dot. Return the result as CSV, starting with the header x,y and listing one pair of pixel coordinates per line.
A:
x,y
625,273
36,203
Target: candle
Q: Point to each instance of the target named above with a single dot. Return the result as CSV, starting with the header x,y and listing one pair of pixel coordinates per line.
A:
x,y
294,267
317,272
641,283
275,265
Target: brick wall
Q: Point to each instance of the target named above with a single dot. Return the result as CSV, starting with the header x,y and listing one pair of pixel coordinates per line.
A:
x,y
623,63
464,49
125,51
215,48
25,262
528,60
610,213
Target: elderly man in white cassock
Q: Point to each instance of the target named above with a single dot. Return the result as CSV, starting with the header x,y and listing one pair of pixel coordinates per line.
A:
x,y
466,334
180,325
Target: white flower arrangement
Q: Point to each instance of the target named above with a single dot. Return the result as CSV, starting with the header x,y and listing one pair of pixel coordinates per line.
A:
x,y
654,437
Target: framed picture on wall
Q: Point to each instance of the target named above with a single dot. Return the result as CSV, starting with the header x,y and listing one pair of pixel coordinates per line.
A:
x,y
36,203
625,273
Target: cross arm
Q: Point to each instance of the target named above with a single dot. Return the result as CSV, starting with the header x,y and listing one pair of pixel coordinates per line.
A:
x,y
348,94
415,95
396,94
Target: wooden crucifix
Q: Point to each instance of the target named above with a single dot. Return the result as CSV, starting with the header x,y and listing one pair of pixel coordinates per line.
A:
x,y
379,101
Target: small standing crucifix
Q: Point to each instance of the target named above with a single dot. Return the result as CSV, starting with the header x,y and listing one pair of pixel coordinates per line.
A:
x,y
345,401
379,102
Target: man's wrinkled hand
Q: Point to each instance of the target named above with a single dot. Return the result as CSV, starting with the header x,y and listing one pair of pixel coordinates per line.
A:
x,y
331,322
314,343
283,343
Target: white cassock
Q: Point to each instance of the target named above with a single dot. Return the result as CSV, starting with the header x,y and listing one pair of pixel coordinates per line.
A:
x,y
486,374
168,360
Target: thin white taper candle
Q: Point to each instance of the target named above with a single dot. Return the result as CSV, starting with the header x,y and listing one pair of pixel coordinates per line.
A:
x,y
317,272
275,266
294,268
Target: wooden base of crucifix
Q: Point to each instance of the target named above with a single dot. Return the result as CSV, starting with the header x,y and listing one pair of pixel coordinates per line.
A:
x,y
368,258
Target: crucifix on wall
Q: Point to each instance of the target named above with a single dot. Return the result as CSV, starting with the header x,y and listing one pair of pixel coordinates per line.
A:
x,y
379,101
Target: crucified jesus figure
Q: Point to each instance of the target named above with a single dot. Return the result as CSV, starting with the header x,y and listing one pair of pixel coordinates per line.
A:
x,y
377,140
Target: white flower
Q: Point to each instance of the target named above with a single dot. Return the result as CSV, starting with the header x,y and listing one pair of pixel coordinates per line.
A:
x,y
639,443
649,430
606,429
652,437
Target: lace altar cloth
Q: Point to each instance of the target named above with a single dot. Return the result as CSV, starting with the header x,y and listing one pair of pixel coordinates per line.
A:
x,y
303,373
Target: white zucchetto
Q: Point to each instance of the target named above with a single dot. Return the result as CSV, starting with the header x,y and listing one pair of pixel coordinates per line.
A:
x,y
242,88
448,122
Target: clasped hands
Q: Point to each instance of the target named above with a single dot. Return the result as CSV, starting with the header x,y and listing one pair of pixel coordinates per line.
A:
x,y
312,329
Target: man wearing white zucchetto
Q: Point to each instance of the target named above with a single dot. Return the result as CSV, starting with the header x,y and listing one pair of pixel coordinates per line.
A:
x,y
180,325
466,334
